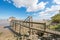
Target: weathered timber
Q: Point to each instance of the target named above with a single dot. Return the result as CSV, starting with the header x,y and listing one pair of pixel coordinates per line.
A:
x,y
44,30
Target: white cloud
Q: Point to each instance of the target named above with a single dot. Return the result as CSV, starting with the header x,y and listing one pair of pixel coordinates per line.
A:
x,y
31,5
57,1
49,12
8,1
36,7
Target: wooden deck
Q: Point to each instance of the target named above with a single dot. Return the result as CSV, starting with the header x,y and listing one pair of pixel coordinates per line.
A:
x,y
38,29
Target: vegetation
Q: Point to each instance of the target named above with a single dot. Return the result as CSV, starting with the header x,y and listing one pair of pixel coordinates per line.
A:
x,y
56,18
55,27
0,33
55,22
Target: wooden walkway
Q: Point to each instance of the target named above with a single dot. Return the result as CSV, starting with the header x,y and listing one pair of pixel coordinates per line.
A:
x,y
38,29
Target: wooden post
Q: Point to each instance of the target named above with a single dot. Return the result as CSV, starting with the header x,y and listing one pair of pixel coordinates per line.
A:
x,y
44,27
14,28
30,25
20,28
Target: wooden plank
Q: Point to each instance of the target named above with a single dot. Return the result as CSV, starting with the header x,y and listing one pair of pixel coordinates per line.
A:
x,y
46,31
29,22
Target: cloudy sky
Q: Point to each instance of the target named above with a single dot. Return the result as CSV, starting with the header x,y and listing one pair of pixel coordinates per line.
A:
x,y
39,9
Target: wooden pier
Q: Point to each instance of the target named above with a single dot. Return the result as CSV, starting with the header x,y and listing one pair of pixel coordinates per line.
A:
x,y
29,30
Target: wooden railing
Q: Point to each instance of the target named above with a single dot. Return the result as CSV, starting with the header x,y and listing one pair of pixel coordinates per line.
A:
x,y
28,26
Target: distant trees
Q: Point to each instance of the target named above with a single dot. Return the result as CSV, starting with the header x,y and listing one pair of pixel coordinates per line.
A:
x,y
55,22
56,18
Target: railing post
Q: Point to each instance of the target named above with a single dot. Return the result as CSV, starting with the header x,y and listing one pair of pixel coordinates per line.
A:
x,y
44,27
14,28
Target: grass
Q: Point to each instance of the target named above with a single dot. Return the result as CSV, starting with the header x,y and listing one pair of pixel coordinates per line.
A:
x,y
0,33
55,27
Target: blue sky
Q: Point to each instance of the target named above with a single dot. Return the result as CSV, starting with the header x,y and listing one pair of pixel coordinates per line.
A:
x,y
39,9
